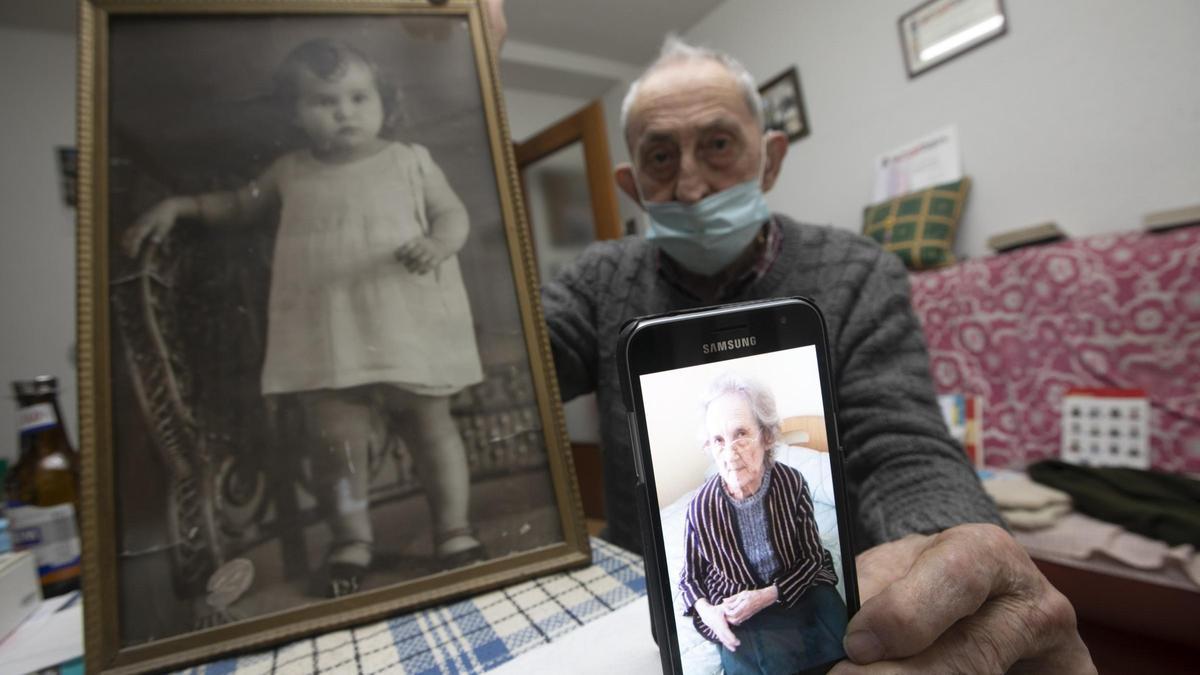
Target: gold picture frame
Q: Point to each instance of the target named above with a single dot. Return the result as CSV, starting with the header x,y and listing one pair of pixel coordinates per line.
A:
x,y
937,31
207,509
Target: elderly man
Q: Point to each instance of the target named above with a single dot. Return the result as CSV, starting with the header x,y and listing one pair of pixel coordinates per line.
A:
x,y
938,595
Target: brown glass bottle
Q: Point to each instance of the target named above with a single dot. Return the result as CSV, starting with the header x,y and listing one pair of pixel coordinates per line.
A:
x,y
43,487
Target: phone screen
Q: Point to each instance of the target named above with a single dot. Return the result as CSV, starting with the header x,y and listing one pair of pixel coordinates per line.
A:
x,y
748,504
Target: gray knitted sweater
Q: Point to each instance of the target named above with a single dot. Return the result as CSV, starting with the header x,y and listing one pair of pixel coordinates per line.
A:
x,y
904,472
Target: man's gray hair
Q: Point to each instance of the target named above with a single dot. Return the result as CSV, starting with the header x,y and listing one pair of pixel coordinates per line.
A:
x,y
761,400
675,50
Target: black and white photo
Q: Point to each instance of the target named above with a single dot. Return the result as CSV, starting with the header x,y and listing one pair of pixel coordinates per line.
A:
x,y
328,384
783,105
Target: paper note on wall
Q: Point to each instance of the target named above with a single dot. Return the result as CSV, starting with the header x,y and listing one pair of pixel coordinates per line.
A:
x,y
925,162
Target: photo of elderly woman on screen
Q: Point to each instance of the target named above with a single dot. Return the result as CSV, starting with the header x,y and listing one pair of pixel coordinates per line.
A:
x,y
756,578
748,513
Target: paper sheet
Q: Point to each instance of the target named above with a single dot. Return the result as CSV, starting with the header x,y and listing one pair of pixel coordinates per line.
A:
x,y
931,160
51,635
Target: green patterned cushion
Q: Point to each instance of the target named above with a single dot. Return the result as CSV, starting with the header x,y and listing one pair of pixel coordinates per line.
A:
x,y
919,227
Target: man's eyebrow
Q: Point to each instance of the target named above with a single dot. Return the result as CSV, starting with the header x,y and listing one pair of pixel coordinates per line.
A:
x,y
721,124
657,137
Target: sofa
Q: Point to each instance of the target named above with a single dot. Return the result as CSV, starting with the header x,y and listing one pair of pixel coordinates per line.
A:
x,y
1022,328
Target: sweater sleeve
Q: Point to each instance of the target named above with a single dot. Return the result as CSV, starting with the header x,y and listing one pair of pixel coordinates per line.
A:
x,y
905,471
569,303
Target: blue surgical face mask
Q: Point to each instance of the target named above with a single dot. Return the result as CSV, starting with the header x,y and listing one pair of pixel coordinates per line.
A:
x,y
707,236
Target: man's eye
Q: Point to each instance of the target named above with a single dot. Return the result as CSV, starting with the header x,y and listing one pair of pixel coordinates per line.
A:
x,y
720,143
360,98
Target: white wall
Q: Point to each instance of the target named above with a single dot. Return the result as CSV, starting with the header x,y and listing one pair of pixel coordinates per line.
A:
x,y
1087,112
37,231
531,111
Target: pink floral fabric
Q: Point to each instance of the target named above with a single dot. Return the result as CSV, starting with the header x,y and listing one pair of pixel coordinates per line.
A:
x,y
1022,328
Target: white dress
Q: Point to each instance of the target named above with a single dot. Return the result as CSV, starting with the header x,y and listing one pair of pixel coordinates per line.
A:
x,y
343,311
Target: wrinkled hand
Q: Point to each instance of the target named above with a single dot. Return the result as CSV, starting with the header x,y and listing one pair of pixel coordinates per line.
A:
x,y
156,223
966,600
742,606
421,254
713,616
495,12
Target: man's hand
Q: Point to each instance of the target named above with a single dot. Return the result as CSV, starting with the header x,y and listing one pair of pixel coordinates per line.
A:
x,y
713,616
742,606
967,600
421,254
495,12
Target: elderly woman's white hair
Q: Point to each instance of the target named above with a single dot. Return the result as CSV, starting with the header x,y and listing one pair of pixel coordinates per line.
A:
x,y
675,50
761,400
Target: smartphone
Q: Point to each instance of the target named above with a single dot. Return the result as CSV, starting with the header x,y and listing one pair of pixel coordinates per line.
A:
x,y
746,527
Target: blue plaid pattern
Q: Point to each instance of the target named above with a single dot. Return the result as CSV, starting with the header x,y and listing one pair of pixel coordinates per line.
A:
x,y
466,637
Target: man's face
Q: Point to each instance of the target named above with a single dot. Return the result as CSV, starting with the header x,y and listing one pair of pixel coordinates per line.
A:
x,y
691,133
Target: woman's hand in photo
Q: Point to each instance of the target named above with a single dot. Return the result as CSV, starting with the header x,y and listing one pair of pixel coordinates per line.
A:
x,y
713,616
155,223
421,254
740,607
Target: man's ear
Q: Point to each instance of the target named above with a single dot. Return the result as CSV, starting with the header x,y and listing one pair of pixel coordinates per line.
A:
x,y
775,145
627,182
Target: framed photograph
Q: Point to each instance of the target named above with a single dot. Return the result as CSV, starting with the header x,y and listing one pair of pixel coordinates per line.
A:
x,y
316,387
783,105
939,30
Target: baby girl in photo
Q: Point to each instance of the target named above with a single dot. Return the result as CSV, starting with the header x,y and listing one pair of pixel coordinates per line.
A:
x,y
369,325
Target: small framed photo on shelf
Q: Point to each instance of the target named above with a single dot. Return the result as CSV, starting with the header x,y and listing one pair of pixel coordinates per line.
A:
x,y
783,105
939,30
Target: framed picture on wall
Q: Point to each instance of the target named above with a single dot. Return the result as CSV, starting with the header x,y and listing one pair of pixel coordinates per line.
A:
x,y
783,105
315,384
939,30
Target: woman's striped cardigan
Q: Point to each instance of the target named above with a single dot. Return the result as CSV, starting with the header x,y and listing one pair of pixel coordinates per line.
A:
x,y
714,565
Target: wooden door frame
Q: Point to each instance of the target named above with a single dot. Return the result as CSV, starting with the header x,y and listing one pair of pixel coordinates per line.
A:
x,y
585,125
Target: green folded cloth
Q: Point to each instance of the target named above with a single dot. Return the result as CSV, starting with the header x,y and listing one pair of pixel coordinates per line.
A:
x,y
1161,505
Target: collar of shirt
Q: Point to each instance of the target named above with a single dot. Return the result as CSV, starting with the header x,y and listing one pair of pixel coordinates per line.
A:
x,y
738,277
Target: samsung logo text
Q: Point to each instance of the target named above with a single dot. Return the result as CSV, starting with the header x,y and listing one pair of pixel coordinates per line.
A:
x,y
729,345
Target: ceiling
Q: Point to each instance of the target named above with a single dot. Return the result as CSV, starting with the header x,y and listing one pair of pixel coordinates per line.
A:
x,y
621,30
578,48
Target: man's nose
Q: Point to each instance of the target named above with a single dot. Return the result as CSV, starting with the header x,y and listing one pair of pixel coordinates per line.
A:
x,y
691,185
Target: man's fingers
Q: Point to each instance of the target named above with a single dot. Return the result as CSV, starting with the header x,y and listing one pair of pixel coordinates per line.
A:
x,y
883,565
952,578
1009,635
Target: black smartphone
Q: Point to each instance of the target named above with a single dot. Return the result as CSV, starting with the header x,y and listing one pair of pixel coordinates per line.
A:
x,y
746,526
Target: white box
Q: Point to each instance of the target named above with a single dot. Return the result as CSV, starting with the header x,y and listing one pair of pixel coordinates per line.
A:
x,y
1106,427
20,592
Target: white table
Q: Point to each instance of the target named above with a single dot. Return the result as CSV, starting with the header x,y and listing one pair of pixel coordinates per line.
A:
x,y
619,642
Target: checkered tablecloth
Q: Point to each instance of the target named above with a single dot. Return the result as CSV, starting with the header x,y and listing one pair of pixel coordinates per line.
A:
x,y
469,636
